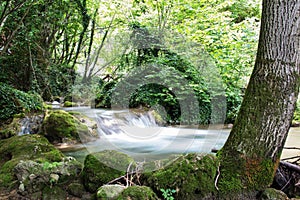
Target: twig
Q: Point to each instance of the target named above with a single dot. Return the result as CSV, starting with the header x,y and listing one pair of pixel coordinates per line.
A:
x,y
297,148
217,177
290,158
286,184
127,173
291,166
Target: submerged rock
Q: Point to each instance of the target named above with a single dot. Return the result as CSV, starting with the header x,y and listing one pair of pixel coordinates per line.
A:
x,y
103,167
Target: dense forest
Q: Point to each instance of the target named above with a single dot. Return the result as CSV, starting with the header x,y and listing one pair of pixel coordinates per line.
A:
x,y
81,50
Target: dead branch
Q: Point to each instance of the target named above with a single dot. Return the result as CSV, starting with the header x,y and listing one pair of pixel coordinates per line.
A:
x,y
291,166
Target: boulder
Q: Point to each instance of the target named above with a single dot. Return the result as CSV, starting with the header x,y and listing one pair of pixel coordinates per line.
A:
x,y
109,192
55,192
34,177
60,126
27,147
271,193
137,193
103,167
192,176
76,189
10,129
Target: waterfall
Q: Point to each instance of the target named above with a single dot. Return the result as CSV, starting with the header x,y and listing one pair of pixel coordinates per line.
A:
x,y
112,122
31,124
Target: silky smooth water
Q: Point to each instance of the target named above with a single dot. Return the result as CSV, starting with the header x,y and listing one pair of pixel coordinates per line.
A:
x,y
138,135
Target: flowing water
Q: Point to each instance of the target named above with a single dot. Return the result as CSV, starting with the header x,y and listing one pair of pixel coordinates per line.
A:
x,y
138,135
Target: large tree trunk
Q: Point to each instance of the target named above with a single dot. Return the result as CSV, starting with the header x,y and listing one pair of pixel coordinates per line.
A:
x,y
251,154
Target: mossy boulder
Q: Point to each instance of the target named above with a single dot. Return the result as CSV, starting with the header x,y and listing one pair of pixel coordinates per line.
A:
x,y
10,129
76,189
109,192
271,193
69,104
55,193
36,176
137,193
26,147
103,167
60,126
192,176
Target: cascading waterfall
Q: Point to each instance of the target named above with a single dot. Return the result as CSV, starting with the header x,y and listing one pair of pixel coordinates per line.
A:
x,y
31,124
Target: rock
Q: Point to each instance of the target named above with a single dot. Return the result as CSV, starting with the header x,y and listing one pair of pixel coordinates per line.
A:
x,y
109,192
22,187
76,189
273,194
55,193
69,104
26,147
11,129
137,193
36,176
192,176
102,167
55,105
60,126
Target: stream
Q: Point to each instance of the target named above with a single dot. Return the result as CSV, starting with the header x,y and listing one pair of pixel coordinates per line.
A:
x,y
138,135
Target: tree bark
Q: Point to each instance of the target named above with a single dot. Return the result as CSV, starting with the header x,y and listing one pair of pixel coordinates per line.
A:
x,y
251,154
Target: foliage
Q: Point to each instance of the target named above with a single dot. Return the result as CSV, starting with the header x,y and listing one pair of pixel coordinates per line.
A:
x,y
13,101
50,166
296,117
168,193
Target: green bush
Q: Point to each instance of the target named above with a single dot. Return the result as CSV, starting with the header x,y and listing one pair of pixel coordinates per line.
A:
x,y
13,101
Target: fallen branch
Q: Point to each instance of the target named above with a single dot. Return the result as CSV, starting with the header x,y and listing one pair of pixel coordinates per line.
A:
x,y
291,166
297,148
294,157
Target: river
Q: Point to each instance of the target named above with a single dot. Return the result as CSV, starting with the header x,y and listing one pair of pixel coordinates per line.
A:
x,y
139,136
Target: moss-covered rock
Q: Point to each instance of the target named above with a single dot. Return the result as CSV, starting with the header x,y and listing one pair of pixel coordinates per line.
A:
x,y
137,193
34,177
69,104
10,129
26,147
60,126
192,176
271,193
76,189
102,167
55,193
109,192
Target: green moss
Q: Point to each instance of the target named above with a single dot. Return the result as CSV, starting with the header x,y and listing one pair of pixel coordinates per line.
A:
x,y
26,147
69,104
102,167
55,192
192,176
241,174
11,129
59,125
137,193
107,192
76,189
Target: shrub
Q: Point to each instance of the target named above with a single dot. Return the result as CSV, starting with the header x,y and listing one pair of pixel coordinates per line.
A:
x,y
13,101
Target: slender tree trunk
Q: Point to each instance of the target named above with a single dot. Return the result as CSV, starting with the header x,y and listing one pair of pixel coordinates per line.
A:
x,y
251,154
